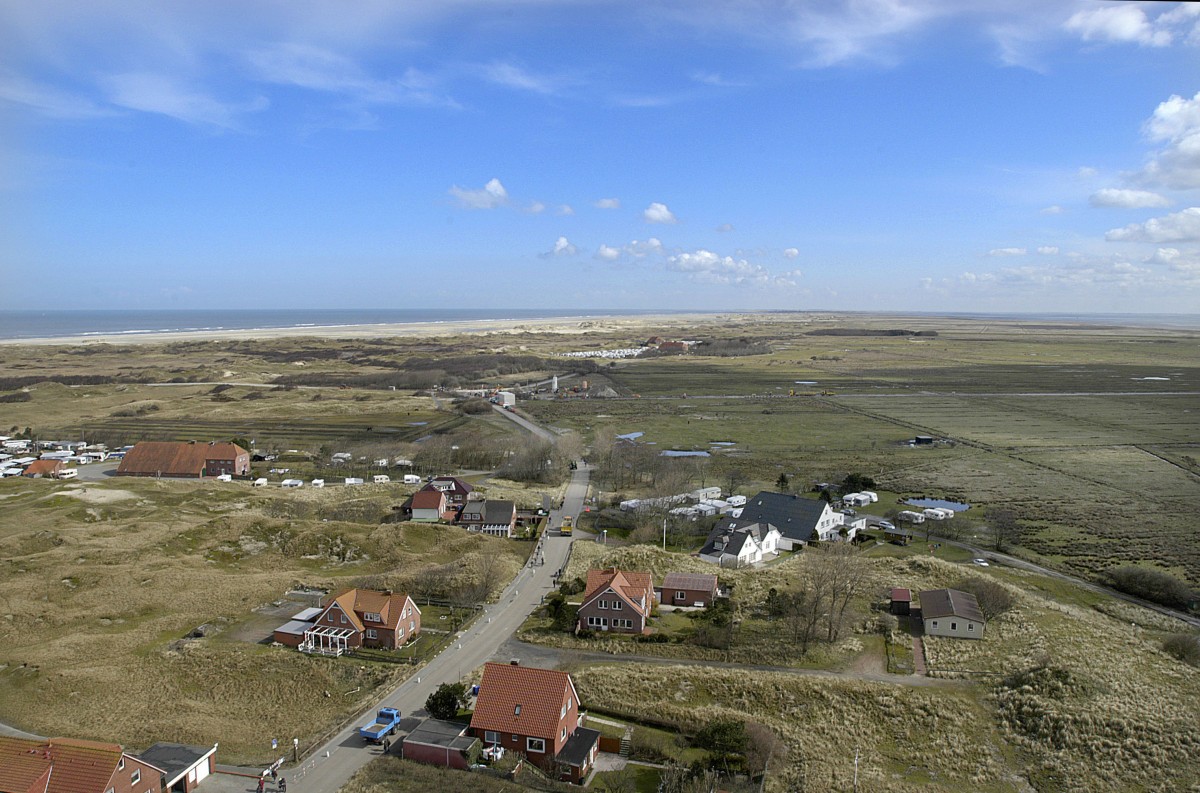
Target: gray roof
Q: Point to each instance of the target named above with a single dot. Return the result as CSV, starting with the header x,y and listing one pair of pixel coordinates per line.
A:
x,y
735,532
793,515
496,511
701,581
950,603
575,750
447,734
175,759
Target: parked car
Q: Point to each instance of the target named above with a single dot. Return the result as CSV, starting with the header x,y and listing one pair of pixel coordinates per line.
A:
x,y
886,525
980,562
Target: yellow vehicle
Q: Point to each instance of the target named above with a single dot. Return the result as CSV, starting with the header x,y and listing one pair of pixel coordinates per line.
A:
x,y
567,525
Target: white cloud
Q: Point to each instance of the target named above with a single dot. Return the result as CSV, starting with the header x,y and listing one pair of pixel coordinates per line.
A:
x,y
1007,252
705,266
1087,172
725,228
1048,250
1177,227
320,69
1053,210
1175,123
562,247
715,79
536,208
48,100
608,203
155,93
512,76
490,196
658,213
608,254
1128,199
1118,23
791,253
564,210
641,249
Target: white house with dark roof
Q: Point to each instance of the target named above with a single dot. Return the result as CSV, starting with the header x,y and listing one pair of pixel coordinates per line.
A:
x,y
735,542
797,518
949,612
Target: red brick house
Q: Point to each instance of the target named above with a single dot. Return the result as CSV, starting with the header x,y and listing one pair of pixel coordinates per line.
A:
x,y
185,459
69,765
494,517
44,469
430,505
183,767
455,489
535,712
616,601
362,618
689,589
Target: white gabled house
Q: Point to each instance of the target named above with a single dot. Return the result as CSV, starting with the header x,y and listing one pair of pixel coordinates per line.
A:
x,y
740,543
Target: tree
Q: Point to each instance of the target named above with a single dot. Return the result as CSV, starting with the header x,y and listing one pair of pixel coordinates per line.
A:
x,y
1005,530
1153,585
734,478
855,482
782,483
763,747
994,599
446,701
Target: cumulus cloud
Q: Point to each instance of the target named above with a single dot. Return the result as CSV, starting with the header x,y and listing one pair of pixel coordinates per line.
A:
x,y
706,266
1048,250
608,254
1177,227
725,228
608,203
536,208
1128,199
1118,23
658,213
562,247
640,249
1175,124
1007,252
564,210
490,196
791,253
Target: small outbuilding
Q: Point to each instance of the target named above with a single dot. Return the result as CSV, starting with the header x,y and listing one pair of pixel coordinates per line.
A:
x,y
441,743
688,589
184,767
45,469
901,601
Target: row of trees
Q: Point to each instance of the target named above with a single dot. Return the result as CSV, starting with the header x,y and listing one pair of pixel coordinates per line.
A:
x,y
817,610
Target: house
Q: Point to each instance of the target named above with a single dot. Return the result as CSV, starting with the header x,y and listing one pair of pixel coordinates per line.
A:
x,y
45,469
534,712
183,767
442,743
194,460
494,517
455,489
616,601
796,518
69,765
736,542
688,589
898,534
949,612
430,505
901,601
362,618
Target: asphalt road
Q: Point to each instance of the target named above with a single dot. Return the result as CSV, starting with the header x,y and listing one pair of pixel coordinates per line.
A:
x,y
526,424
328,768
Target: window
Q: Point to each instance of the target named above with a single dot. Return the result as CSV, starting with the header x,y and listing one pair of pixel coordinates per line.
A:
x,y
602,604
517,710
970,626
617,605
371,616
490,736
412,626
121,764
935,623
680,595
372,633
343,619
954,626
136,776
563,734
535,744
563,713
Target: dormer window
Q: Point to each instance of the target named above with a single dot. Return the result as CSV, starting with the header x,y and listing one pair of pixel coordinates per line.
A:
x,y
371,616
517,710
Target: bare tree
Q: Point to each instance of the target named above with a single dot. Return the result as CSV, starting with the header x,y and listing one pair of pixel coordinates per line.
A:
x,y
844,574
733,479
763,747
1005,529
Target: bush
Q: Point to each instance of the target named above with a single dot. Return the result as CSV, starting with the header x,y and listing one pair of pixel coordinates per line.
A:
x,y
1183,647
445,702
1153,585
16,396
475,407
994,599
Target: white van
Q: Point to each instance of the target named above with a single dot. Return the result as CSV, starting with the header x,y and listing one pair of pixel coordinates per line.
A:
x,y
260,482
224,477
292,483
381,479
318,483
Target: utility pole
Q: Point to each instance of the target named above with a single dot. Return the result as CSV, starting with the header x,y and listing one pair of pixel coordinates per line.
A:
x,y
664,534
856,770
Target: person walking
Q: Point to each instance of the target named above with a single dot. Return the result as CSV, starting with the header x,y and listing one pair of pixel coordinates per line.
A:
x,y
282,785
262,783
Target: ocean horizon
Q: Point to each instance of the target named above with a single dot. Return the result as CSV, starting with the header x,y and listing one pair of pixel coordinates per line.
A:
x,y
68,323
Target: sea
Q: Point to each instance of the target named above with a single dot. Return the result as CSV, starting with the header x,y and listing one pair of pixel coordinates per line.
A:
x,y
40,324
32,324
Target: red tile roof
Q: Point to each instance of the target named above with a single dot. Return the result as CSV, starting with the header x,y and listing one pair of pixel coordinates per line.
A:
x,y
74,766
44,468
429,499
522,700
901,594
171,458
356,602
630,585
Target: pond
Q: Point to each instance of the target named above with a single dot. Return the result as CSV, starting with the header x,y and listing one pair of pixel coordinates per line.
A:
x,y
679,453
931,503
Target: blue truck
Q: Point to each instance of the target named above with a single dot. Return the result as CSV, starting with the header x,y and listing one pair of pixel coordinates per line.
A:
x,y
384,725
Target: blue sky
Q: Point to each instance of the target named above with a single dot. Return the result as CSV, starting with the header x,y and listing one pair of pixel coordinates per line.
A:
x,y
993,155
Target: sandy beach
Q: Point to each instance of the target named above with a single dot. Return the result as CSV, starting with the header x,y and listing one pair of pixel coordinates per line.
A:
x,y
556,325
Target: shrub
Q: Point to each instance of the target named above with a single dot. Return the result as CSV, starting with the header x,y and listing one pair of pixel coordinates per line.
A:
x,y
16,396
1152,585
1184,647
994,598
445,702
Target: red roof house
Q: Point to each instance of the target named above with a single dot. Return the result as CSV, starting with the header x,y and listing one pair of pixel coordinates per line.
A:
x,y
49,469
184,459
69,765
534,712
362,618
616,601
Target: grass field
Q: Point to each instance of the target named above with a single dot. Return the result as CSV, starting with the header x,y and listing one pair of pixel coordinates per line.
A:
x,y
100,583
